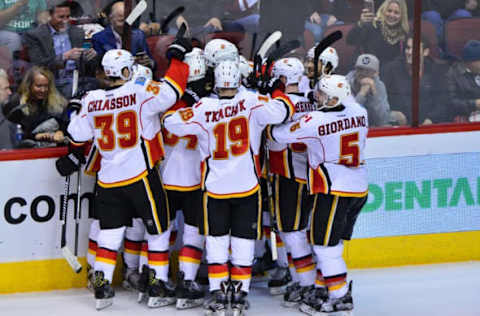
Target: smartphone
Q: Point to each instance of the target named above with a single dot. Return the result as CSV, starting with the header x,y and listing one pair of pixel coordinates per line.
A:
x,y
369,5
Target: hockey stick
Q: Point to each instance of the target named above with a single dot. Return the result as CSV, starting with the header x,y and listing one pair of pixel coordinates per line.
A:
x,y
273,230
175,13
78,211
268,43
324,43
136,12
66,252
277,54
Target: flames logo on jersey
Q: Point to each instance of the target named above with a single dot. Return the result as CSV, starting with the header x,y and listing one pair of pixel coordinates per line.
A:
x,y
340,85
294,127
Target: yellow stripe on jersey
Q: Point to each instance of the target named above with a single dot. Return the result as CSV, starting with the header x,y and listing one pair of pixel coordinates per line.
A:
x,y
333,211
153,205
181,188
167,114
235,195
175,85
260,214
124,182
349,194
290,105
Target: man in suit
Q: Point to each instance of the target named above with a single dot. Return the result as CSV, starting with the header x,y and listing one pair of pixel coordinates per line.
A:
x,y
111,37
57,45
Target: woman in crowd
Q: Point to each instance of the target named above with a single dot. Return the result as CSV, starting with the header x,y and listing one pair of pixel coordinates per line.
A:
x,y
384,34
38,108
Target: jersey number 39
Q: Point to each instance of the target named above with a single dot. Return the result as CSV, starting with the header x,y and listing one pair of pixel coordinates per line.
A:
x,y
125,127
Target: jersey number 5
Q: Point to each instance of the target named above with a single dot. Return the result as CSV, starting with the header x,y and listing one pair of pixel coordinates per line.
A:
x,y
237,130
126,126
349,150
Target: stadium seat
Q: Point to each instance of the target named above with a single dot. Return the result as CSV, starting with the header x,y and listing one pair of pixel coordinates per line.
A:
x,y
308,40
458,32
428,31
344,50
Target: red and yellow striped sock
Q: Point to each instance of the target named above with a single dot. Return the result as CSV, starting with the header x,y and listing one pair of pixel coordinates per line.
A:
x,y
242,274
216,274
189,260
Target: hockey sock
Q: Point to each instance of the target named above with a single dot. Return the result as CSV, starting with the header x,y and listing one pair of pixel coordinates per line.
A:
x,y
133,244
158,254
217,257
92,242
282,260
143,254
302,256
242,260
109,241
191,253
320,281
334,269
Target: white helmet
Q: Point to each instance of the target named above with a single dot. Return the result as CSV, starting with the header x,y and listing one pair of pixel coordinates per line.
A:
x,y
334,86
227,75
218,50
292,68
141,71
196,64
246,67
329,55
115,60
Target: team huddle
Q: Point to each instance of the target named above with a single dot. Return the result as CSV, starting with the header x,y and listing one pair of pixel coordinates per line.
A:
x,y
236,151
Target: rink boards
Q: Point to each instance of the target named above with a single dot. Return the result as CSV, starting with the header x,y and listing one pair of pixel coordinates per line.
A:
x,y
423,207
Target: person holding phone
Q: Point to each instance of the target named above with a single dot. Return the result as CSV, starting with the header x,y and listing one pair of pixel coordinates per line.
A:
x,y
383,33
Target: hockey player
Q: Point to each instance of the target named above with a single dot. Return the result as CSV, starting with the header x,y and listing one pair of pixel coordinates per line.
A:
x,y
293,204
335,137
180,171
327,63
124,123
229,134
215,51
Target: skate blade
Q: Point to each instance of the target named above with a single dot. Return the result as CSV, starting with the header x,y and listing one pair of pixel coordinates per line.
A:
x,y
141,297
290,304
185,303
209,312
307,309
278,290
103,303
155,302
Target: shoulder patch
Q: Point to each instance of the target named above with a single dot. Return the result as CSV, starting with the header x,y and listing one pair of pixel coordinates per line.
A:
x,y
141,81
262,98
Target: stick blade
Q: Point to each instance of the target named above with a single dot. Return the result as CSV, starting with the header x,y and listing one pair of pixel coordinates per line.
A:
x,y
136,12
181,32
170,17
268,43
71,259
326,42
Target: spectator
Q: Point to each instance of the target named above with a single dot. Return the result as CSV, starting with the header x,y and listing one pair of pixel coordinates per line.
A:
x,y
111,37
397,76
381,35
17,17
58,46
369,90
201,17
7,128
464,82
325,15
38,108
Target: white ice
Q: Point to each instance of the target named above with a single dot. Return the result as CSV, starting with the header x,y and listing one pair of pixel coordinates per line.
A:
x,y
438,290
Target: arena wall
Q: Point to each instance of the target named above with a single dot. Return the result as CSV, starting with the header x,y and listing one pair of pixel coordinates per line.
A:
x,y
423,207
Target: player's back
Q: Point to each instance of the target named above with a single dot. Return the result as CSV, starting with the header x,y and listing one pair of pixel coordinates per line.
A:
x,y
126,138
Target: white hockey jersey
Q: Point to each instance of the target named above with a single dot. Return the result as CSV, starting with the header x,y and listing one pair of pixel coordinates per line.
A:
x,y
290,160
180,170
124,123
229,132
335,142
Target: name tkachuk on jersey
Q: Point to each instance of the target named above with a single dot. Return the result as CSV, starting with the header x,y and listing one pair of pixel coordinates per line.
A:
x,y
125,125
181,166
229,135
336,148
290,160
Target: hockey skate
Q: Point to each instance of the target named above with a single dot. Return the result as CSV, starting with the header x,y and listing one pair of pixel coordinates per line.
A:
x,y
217,304
142,285
131,278
313,301
342,306
103,291
188,293
238,300
295,294
160,293
280,280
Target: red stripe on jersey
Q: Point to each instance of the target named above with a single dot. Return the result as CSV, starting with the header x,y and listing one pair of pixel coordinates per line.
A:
x,y
279,163
318,181
178,72
155,149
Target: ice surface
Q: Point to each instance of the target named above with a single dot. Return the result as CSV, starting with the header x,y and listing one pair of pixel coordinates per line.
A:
x,y
437,290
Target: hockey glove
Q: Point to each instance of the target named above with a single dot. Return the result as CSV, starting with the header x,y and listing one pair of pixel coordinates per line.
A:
x,y
70,163
178,48
268,86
